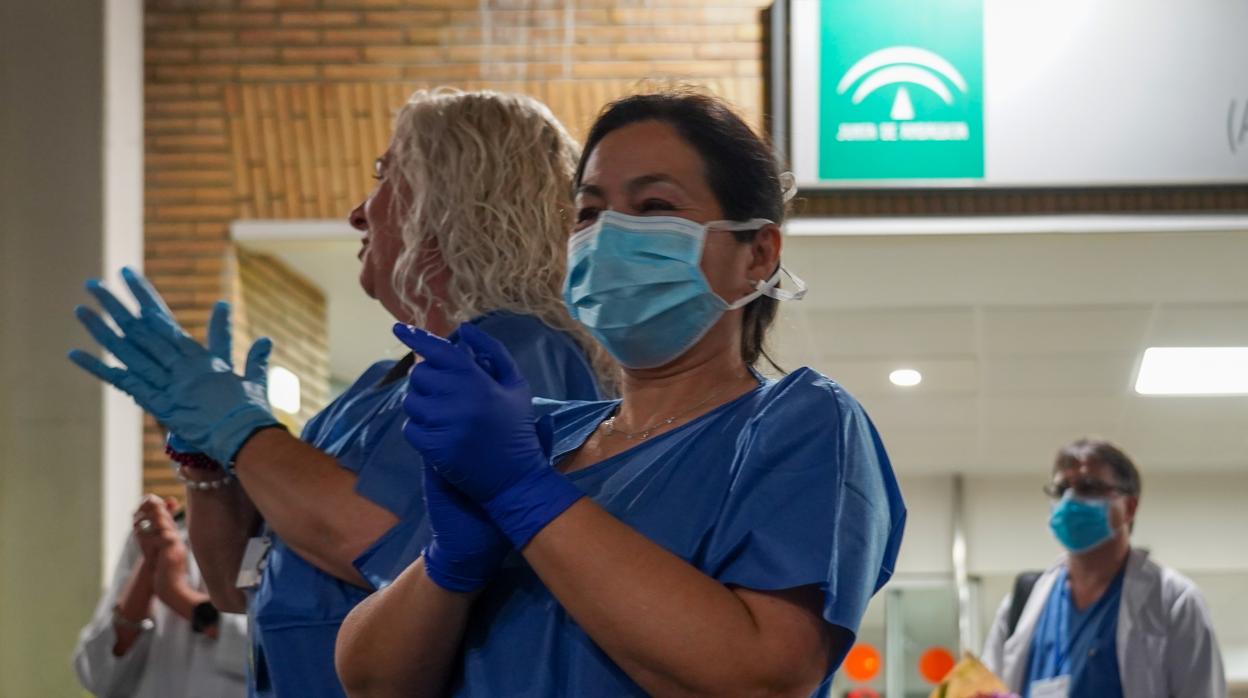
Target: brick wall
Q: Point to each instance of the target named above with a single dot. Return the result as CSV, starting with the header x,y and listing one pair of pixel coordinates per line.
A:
x,y
277,302
276,109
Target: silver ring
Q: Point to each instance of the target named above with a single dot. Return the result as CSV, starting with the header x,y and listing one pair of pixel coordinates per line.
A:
x,y
145,526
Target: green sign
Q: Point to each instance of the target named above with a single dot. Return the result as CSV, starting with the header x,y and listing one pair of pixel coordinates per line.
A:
x,y
901,89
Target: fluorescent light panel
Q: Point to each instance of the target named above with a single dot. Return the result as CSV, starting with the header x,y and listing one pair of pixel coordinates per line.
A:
x,y
1193,371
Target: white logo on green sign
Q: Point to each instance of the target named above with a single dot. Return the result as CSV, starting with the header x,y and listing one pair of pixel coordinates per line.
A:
x,y
901,93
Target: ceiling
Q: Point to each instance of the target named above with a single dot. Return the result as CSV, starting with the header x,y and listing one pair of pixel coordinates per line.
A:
x,y
1025,341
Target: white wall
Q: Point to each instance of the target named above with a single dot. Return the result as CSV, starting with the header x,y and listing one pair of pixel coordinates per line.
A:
x,y
52,237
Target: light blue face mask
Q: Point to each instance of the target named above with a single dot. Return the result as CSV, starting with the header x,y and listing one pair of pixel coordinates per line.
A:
x,y
1080,524
635,284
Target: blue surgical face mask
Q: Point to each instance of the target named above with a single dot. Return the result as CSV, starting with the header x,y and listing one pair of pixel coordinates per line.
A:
x,y
1079,523
635,284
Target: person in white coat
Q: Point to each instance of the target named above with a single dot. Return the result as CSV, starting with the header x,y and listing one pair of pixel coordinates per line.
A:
x,y
154,633
1104,620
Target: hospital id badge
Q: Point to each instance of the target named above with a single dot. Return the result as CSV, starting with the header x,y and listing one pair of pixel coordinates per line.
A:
x,y
252,567
1051,688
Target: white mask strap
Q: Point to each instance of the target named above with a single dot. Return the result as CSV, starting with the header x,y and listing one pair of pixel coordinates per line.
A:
x,y
770,288
789,184
737,226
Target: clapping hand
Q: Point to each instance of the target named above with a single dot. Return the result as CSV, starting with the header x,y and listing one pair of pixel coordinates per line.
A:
x,y
191,390
470,415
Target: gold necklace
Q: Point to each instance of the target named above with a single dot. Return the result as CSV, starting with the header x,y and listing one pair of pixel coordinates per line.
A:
x,y
643,434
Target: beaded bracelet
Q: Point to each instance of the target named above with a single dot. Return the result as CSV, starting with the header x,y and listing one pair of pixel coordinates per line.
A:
x,y
198,461
121,621
204,485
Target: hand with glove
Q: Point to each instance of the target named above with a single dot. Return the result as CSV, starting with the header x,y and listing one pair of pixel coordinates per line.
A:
x,y
467,548
191,390
470,415
220,345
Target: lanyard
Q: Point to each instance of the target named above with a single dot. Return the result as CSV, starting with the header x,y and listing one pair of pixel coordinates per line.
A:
x,y
1065,638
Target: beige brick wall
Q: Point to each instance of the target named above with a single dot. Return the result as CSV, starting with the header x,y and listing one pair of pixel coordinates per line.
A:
x,y
277,302
276,109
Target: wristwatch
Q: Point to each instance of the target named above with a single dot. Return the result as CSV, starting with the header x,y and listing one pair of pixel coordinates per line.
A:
x,y
204,616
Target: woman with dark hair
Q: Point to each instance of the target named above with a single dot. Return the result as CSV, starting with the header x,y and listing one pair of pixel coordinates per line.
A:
x,y
710,533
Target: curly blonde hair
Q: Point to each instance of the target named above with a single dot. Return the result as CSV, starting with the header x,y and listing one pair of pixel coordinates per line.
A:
x,y
491,180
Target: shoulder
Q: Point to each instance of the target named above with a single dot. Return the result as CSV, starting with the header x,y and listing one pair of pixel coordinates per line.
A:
x,y
805,403
1179,593
371,376
1170,592
519,330
805,388
550,359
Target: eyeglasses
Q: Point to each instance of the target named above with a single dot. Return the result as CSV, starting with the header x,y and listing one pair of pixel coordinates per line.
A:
x,y
1084,487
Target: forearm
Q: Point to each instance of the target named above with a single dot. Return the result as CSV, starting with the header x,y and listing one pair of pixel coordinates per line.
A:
x,y
402,640
182,600
220,523
671,628
134,604
310,501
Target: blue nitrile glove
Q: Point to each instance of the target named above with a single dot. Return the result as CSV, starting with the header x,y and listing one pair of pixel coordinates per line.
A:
x,y
477,429
183,385
467,548
220,345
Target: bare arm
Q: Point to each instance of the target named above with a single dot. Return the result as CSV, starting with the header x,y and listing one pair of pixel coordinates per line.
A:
x,y
219,524
309,499
402,640
672,629
134,604
110,657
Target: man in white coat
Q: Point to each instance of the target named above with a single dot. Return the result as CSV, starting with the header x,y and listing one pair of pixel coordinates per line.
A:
x,y
1105,620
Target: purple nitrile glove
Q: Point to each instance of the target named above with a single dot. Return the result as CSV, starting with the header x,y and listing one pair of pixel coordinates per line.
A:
x,y
476,428
467,548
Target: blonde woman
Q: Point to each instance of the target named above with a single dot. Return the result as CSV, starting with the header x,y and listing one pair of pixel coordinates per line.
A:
x,y
467,223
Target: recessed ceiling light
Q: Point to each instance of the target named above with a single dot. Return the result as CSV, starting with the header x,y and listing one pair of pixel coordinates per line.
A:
x,y
284,390
1193,371
905,377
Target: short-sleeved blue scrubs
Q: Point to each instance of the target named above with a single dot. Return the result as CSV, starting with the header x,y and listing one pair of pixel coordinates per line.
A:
x,y
1080,644
297,609
786,486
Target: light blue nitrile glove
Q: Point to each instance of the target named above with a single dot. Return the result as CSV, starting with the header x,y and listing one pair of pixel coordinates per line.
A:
x,y
220,344
188,389
467,548
470,414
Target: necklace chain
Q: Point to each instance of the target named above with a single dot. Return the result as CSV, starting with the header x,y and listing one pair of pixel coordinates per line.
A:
x,y
643,434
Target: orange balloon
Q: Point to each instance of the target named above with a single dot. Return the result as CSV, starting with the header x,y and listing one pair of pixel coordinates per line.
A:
x,y
862,663
935,663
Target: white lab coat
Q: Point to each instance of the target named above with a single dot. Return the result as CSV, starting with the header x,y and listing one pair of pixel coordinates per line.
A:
x,y
168,661
1166,645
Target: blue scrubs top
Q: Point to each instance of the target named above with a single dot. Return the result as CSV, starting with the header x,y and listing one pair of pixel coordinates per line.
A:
x,y
1080,644
297,608
786,486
